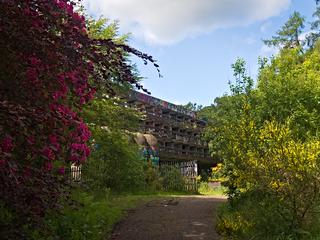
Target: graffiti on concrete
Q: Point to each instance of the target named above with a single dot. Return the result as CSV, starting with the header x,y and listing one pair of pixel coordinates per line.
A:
x,y
158,102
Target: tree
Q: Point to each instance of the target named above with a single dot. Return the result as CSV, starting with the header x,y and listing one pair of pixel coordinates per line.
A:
x,y
115,161
288,35
268,139
277,183
220,115
49,69
104,30
243,82
193,107
225,115
315,27
289,88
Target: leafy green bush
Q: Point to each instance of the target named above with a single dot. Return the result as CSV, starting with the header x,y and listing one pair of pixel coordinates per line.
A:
x,y
171,178
268,138
91,217
217,173
259,215
115,163
152,178
254,215
88,221
277,190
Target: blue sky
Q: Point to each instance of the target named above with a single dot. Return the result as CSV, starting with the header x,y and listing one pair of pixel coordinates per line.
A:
x,y
196,41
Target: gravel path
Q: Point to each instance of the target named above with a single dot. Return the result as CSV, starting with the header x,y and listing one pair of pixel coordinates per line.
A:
x,y
189,217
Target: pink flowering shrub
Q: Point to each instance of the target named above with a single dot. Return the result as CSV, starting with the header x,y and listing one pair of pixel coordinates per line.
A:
x,y
49,68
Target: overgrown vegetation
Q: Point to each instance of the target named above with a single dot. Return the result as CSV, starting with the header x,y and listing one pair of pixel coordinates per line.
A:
x,y
61,99
268,138
44,90
171,179
93,214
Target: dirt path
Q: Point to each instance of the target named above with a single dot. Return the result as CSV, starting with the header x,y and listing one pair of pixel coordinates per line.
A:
x,y
171,219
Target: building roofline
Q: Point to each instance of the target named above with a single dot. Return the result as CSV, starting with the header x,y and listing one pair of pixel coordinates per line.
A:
x,y
138,96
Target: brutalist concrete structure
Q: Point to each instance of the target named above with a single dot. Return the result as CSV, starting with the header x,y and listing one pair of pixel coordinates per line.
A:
x,y
177,129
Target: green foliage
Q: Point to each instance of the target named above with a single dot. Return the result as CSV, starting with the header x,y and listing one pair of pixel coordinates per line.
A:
x,y
244,83
115,163
172,179
274,186
288,35
104,28
205,189
91,218
217,173
7,218
90,221
227,112
193,106
268,138
257,215
289,88
152,178
111,114
315,27
252,216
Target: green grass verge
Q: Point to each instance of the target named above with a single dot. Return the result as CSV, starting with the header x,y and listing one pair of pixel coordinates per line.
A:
x,y
205,189
95,214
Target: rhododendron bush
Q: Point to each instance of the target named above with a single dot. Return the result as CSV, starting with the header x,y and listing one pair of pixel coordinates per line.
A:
x,y
49,69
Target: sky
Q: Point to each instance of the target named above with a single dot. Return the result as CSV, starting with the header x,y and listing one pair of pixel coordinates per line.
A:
x,y
196,41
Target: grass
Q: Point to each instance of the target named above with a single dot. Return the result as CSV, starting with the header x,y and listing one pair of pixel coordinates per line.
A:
x,y
95,214
205,189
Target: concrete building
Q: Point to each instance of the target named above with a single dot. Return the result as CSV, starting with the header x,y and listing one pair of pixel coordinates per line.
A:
x,y
178,130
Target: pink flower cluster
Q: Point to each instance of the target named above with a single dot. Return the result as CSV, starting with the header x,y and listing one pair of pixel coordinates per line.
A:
x,y
32,71
6,144
61,170
66,87
48,166
57,82
48,153
53,141
76,80
84,133
81,88
63,112
68,8
79,152
6,147
62,92
31,140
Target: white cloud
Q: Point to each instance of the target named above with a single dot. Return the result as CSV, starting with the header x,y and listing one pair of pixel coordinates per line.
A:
x,y
265,26
249,40
169,21
267,51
